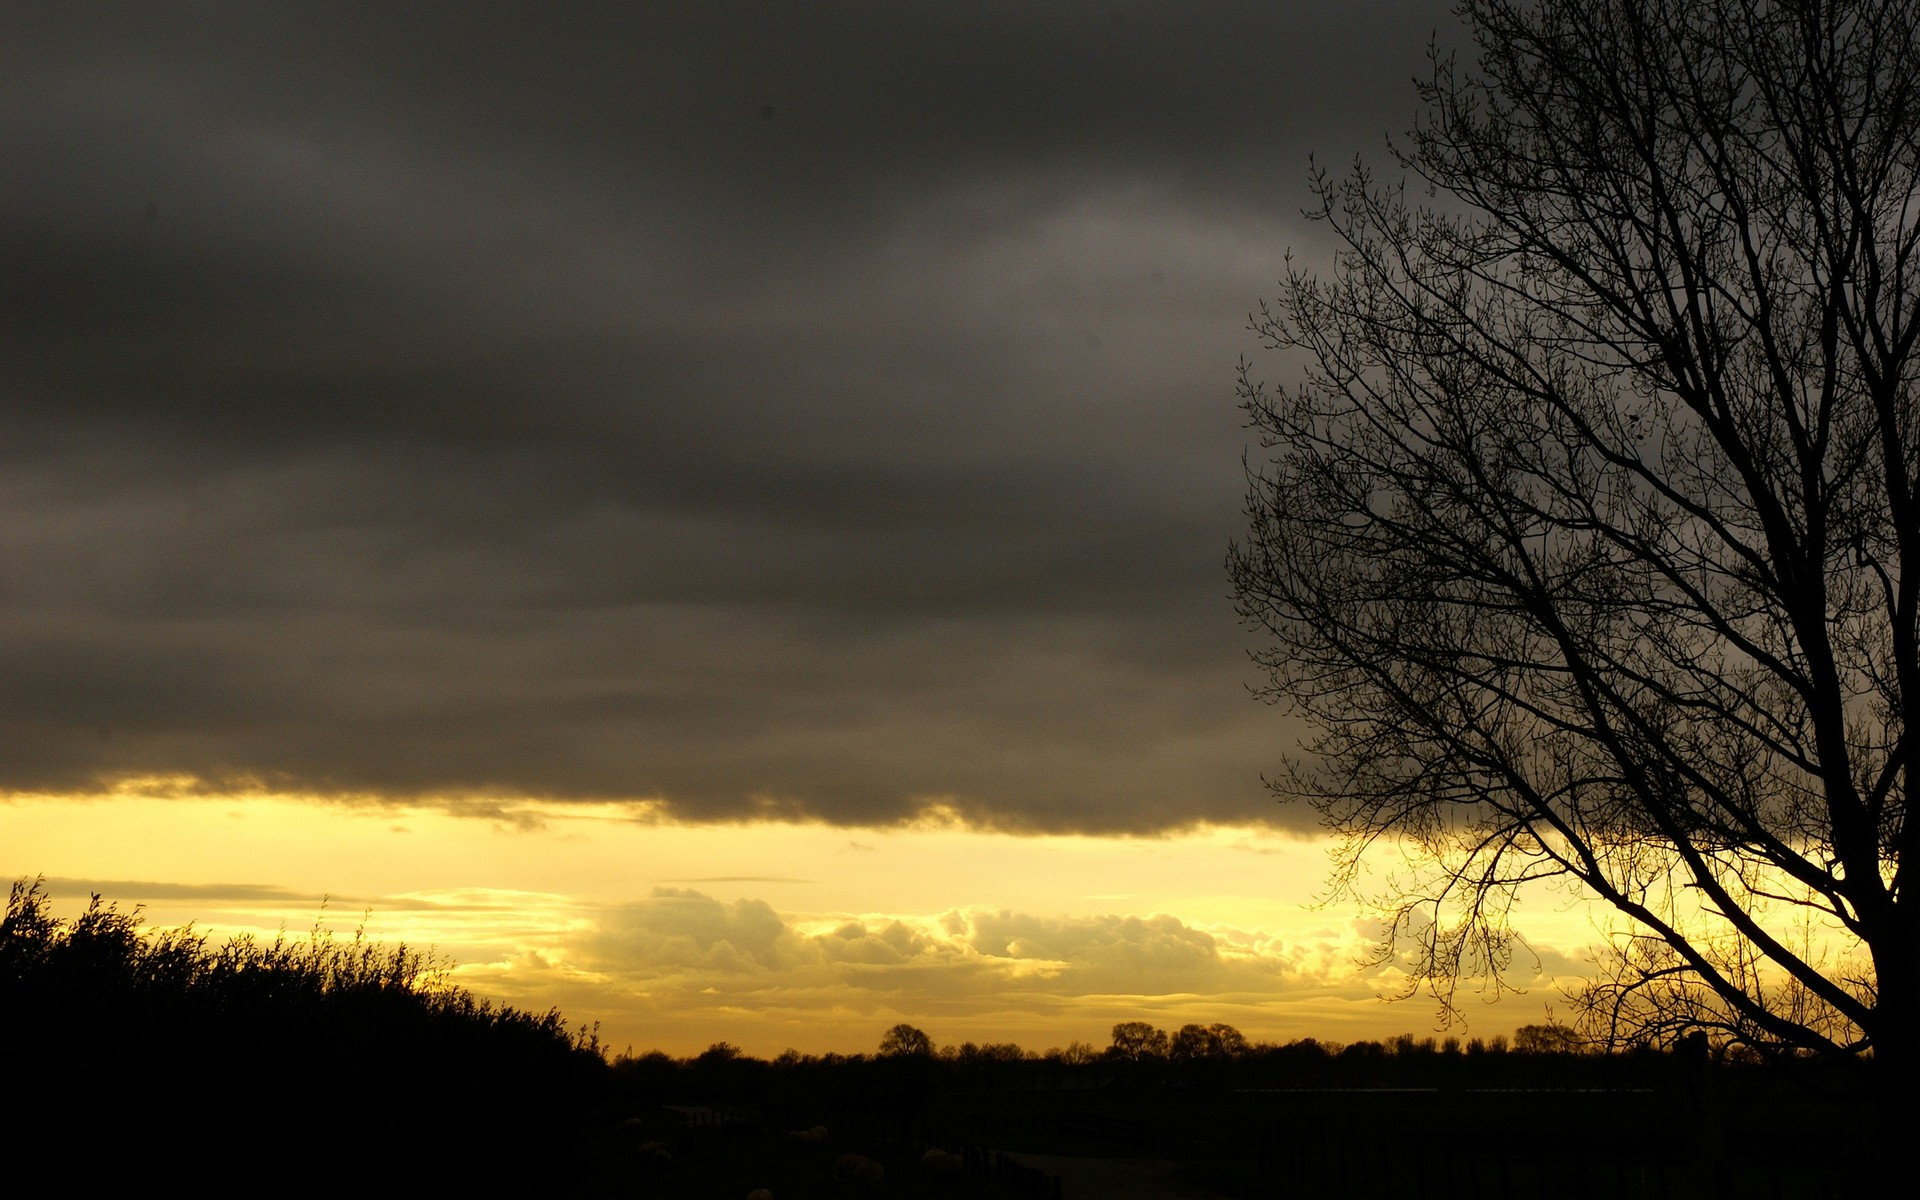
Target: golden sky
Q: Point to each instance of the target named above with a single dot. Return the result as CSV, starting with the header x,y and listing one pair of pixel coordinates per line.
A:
x,y
773,935
734,424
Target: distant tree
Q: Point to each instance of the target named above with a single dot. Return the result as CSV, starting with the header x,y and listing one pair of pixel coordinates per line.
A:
x,y
1299,1063
1137,1041
1406,1046
1589,542
1230,1042
653,1074
1189,1042
1206,1042
904,1039
1549,1039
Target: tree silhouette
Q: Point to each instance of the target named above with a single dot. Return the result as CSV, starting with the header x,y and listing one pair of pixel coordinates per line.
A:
x,y
1589,542
1214,1042
1137,1041
904,1039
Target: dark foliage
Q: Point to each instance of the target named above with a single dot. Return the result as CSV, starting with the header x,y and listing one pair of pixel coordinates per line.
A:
x,y
1198,1059
157,1056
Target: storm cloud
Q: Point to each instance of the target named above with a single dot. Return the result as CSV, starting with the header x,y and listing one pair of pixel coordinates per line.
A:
x,y
773,410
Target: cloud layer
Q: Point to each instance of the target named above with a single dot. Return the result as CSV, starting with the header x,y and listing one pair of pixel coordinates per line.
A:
x,y
679,964
818,409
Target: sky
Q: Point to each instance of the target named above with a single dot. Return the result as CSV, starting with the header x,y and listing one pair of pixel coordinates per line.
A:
x,y
710,515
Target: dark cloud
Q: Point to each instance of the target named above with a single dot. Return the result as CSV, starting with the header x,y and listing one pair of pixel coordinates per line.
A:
x,y
814,409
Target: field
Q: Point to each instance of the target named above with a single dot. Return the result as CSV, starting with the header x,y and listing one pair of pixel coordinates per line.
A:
x,y
1749,1136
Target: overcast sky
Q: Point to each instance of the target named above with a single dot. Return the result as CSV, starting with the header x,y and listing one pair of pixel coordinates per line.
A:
x,y
792,409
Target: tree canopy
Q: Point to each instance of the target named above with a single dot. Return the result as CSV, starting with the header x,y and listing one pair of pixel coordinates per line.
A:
x,y
1588,541
905,1039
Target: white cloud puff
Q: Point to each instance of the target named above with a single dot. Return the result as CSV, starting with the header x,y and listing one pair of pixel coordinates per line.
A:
x,y
678,929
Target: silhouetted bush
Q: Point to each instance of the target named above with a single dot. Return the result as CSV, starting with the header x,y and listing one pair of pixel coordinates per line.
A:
x,y
153,1056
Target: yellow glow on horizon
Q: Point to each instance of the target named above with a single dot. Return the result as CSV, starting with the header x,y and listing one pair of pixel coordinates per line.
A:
x,y
766,934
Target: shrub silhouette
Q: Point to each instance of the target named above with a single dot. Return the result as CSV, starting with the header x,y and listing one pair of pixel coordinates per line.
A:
x,y
126,1047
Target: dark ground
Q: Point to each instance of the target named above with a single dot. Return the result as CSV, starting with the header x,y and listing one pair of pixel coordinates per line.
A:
x,y
1756,1141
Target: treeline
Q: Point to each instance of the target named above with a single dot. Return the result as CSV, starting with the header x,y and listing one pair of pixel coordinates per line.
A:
x,y
159,1054
1206,1057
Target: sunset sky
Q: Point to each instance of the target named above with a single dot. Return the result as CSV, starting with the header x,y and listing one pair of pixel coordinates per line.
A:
x,y
709,514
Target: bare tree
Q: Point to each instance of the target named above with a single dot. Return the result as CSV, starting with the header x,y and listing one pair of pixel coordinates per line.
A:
x,y
1588,542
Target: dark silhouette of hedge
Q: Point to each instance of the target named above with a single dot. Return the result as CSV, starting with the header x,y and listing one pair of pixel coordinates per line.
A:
x,y
158,1056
